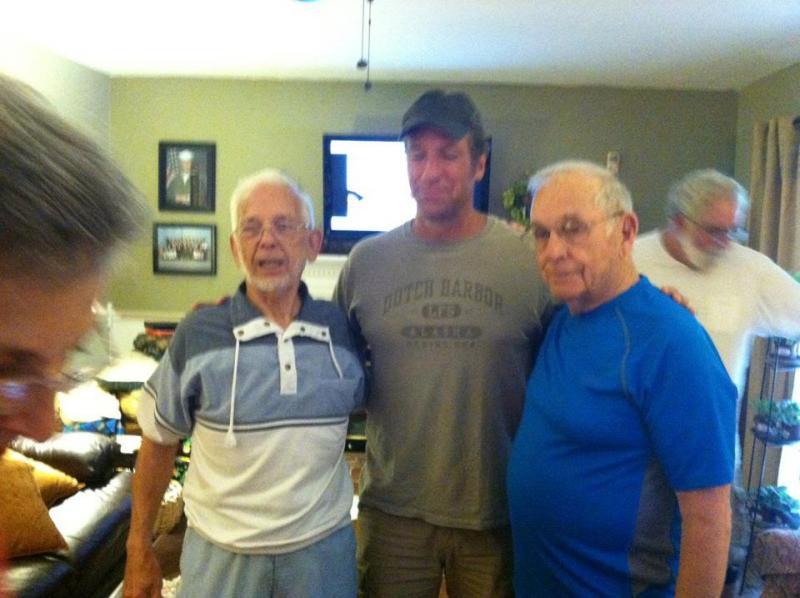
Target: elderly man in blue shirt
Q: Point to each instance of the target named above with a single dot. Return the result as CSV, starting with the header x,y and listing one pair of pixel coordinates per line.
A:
x,y
620,473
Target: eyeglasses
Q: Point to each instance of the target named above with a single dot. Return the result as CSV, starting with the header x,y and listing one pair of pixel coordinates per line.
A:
x,y
736,233
15,391
283,230
571,230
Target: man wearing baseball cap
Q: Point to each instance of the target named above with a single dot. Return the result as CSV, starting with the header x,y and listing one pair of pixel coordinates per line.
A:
x,y
451,309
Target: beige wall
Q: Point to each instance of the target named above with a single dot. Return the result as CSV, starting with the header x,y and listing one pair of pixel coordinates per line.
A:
x,y
79,94
660,134
770,97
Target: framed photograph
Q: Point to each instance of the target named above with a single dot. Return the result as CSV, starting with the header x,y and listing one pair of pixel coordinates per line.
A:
x,y
186,176
185,249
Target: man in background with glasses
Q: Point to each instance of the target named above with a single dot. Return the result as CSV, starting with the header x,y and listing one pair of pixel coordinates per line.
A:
x,y
737,292
620,473
264,384
65,209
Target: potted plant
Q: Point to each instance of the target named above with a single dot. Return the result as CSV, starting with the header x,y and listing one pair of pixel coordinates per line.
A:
x,y
785,353
789,415
769,504
789,509
763,410
767,420
517,202
776,506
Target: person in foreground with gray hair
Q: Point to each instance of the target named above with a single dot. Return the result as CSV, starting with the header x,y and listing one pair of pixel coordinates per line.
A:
x,y
620,472
737,293
65,211
264,383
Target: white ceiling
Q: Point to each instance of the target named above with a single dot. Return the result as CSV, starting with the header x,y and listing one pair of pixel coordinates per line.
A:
x,y
682,44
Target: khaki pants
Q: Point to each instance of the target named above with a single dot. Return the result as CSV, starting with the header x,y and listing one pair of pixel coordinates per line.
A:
x,y
405,558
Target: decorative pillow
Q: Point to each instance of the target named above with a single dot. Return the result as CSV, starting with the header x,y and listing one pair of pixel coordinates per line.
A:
x,y
53,484
25,524
129,404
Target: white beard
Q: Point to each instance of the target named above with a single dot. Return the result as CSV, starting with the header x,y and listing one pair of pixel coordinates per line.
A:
x,y
701,260
274,284
269,285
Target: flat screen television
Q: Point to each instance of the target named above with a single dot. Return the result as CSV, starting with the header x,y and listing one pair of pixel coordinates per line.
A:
x,y
365,188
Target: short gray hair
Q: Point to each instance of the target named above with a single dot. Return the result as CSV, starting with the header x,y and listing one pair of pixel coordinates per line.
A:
x,y
612,197
267,177
65,207
697,190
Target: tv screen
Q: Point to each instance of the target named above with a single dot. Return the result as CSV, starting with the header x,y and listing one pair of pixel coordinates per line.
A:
x,y
365,188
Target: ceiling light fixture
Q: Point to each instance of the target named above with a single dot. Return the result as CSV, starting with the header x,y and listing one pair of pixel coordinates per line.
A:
x,y
366,27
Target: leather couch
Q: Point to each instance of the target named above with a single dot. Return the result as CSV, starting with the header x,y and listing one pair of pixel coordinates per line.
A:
x,y
94,521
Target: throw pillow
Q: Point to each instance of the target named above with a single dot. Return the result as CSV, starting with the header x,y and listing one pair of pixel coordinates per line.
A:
x,y
25,524
53,484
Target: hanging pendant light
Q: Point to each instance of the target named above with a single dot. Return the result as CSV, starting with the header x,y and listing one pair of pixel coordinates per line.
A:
x,y
366,38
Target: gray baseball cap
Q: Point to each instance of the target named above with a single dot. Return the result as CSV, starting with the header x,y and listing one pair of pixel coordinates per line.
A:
x,y
454,113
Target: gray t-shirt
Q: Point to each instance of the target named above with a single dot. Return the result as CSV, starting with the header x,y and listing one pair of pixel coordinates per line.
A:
x,y
452,330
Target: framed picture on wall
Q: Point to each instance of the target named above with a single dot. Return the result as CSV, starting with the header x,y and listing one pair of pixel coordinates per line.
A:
x,y
185,249
186,176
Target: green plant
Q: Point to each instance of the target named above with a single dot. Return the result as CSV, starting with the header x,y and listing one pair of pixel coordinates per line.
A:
x,y
764,409
150,345
517,202
789,413
777,506
767,415
778,498
777,421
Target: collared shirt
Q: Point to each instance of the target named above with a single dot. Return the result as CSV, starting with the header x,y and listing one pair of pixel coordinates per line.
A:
x,y
267,409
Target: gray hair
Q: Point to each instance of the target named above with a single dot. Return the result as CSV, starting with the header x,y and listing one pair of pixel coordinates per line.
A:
x,y
697,190
612,197
270,176
65,207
